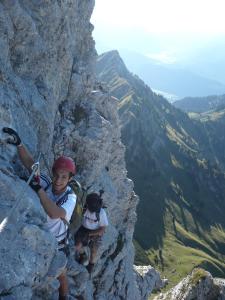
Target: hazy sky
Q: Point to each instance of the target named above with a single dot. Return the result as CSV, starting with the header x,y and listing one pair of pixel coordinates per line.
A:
x,y
162,16
166,30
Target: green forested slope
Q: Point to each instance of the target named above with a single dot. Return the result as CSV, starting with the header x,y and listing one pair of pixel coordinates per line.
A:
x,y
177,165
201,104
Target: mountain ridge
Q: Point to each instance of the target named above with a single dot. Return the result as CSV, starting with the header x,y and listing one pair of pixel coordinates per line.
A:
x,y
179,81
180,182
201,104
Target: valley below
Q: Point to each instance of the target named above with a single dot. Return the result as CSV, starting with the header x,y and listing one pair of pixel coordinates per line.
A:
x,y
176,160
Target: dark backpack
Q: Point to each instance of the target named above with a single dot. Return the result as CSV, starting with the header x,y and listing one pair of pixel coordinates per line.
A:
x,y
94,203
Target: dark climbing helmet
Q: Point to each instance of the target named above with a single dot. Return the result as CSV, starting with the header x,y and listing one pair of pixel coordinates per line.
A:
x,y
94,202
64,163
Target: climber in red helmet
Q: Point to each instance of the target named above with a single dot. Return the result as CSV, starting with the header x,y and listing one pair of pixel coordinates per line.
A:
x,y
56,197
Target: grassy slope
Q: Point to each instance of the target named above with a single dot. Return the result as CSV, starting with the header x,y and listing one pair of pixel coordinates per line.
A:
x,y
183,216
173,162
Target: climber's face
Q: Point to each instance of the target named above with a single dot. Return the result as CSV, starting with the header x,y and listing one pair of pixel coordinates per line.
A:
x,y
60,181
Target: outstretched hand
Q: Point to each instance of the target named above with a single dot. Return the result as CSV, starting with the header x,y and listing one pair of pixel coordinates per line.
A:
x,y
15,139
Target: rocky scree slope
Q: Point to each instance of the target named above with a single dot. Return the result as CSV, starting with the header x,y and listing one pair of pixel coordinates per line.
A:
x,y
46,94
178,173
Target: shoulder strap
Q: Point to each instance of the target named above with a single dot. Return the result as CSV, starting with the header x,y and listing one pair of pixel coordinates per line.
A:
x,y
64,198
98,216
60,202
84,208
46,188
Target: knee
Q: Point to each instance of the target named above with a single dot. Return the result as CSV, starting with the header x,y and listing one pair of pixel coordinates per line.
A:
x,y
94,248
63,276
78,246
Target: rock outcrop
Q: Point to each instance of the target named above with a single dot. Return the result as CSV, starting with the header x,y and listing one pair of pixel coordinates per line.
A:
x,y
49,95
148,279
199,285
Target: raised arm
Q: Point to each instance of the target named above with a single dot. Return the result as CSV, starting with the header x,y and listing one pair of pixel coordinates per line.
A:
x,y
25,157
14,139
52,210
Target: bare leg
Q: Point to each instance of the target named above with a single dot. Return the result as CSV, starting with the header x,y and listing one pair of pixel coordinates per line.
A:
x,y
78,246
91,264
94,250
63,288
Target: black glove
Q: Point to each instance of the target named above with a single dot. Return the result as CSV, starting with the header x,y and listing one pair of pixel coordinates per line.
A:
x,y
34,184
16,139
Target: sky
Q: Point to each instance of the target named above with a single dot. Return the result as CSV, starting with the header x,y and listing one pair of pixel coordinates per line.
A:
x,y
162,16
167,31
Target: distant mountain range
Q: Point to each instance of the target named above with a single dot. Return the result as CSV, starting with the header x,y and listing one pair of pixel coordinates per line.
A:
x,y
170,79
209,59
177,165
201,104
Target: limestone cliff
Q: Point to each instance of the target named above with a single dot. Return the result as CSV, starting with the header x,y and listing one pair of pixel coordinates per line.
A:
x,y
49,95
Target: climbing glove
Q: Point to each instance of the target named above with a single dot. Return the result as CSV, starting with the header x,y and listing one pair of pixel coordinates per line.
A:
x,y
15,140
34,184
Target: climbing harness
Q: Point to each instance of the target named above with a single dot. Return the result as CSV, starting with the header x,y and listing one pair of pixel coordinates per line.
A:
x,y
35,172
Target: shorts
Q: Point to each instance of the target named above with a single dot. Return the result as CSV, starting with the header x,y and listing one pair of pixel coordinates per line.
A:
x,y
82,236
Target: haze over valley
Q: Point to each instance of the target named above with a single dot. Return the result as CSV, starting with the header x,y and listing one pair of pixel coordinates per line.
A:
x,y
169,79
175,50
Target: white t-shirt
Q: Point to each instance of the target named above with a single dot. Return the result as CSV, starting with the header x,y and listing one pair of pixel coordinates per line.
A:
x,y
90,221
56,226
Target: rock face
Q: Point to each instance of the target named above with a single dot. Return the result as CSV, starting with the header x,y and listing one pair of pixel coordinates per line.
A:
x,y
199,285
147,279
49,95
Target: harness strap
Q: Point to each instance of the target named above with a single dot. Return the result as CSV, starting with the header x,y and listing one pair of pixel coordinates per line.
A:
x,y
64,198
60,202
97,213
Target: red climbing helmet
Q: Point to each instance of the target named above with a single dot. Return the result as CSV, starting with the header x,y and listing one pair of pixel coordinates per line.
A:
x,y
64,163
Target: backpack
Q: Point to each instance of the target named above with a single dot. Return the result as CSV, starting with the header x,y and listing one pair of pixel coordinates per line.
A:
x,y
77,214
94,203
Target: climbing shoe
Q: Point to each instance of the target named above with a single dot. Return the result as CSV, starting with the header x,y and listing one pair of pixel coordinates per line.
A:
x,y
83,256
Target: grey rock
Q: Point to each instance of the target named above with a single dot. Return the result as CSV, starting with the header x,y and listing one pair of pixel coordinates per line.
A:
x,y
46,83
148,279
21,292
199,285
